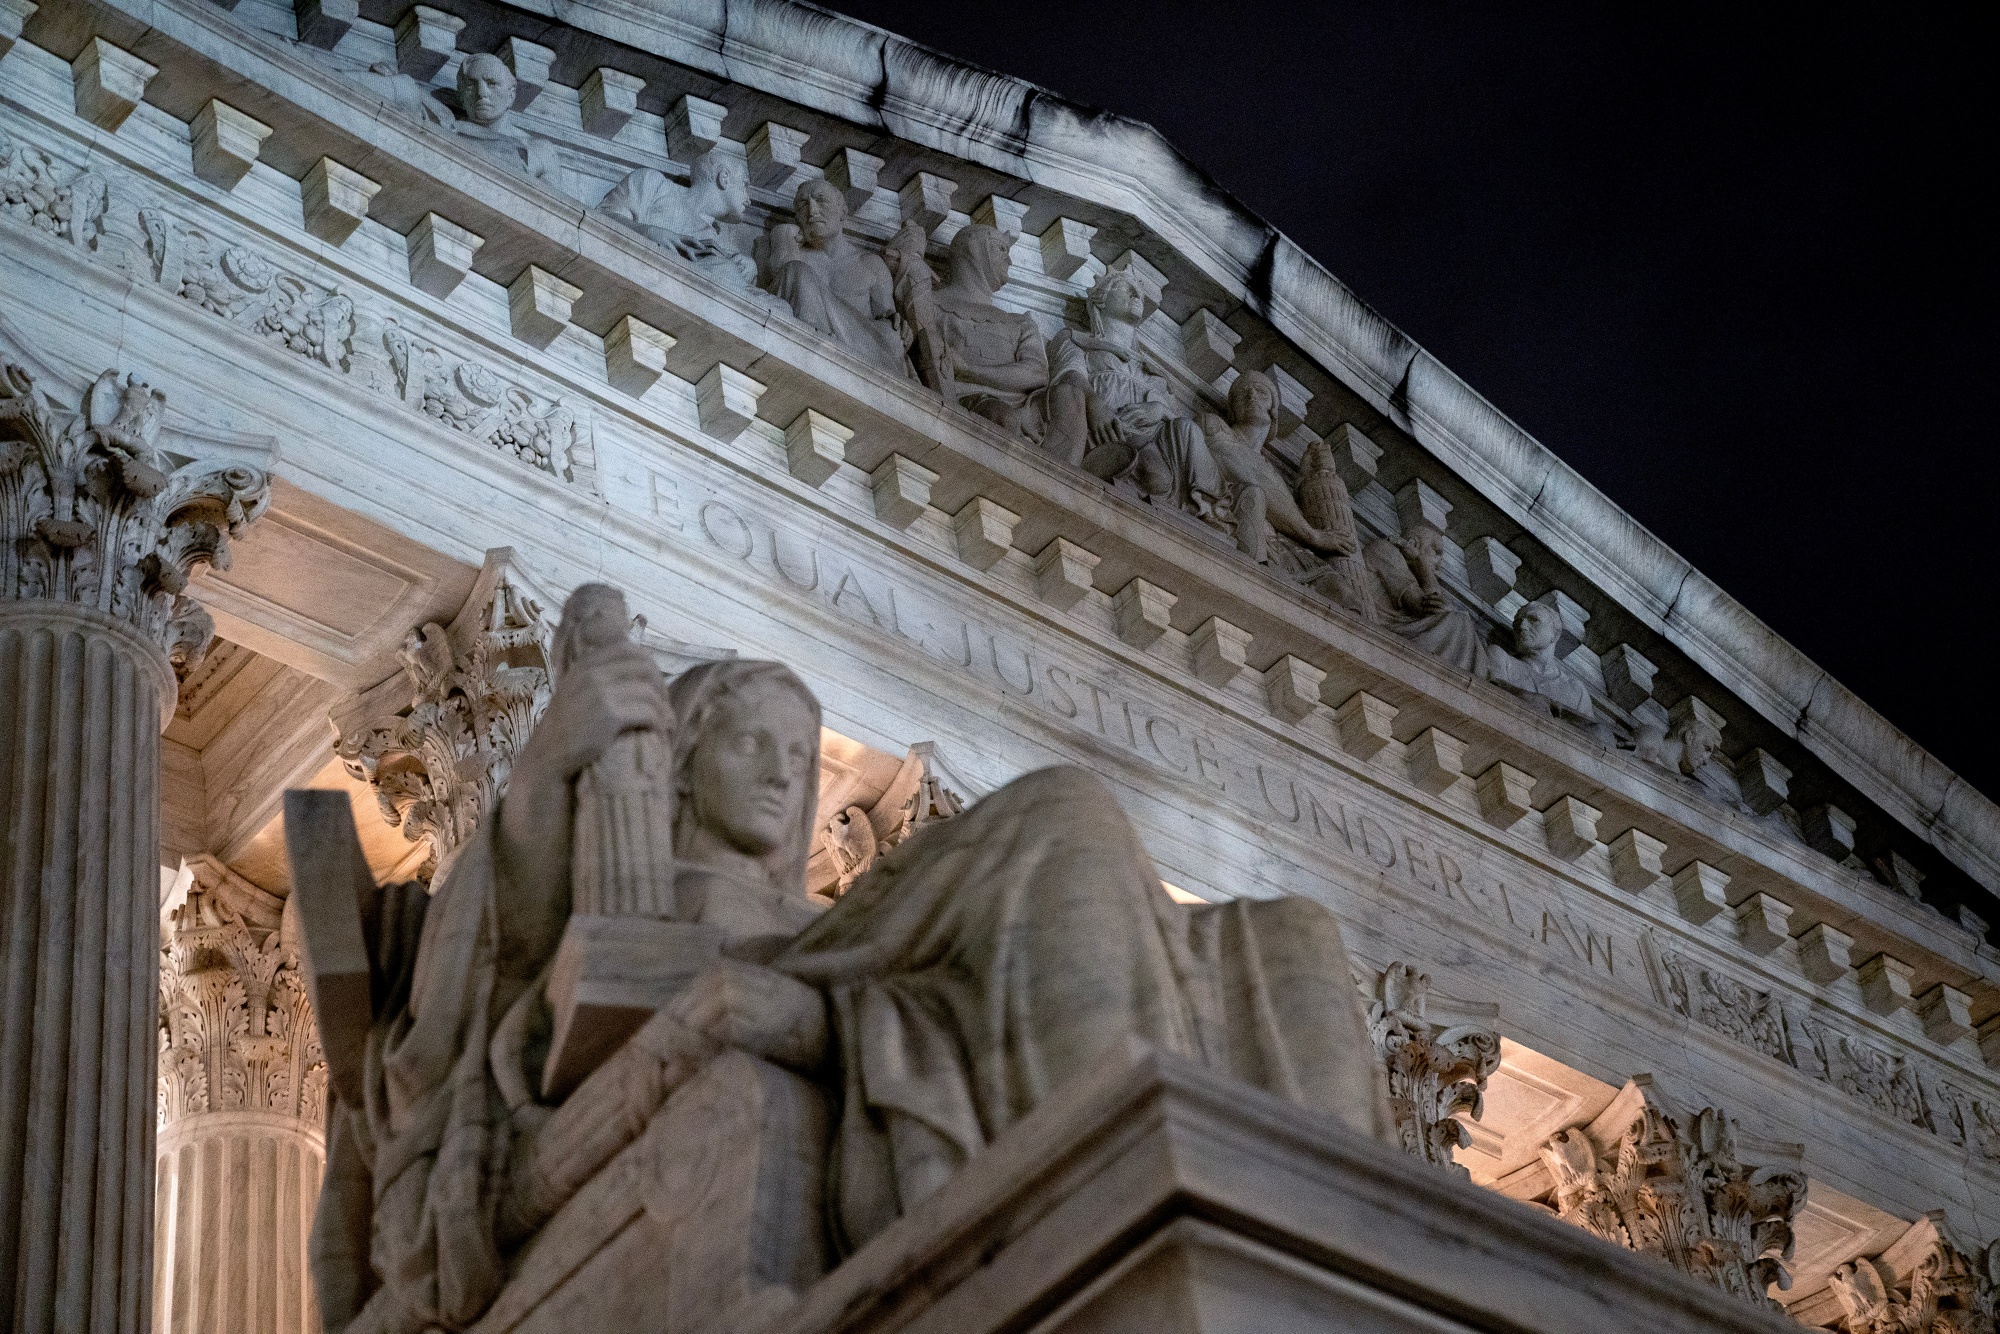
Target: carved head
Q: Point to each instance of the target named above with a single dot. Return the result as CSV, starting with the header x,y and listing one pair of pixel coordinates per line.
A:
x,y
485,89
1699,742
1253,399
1116,298
726,180
746,762
1536,627
593,617
984,254
820,212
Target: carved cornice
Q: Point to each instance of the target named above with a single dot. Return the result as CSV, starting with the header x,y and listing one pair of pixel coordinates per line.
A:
x,y
95,514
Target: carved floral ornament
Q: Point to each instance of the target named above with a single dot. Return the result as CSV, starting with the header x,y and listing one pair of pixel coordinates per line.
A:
x,y
440,763
1437,1072
93,513
236,1026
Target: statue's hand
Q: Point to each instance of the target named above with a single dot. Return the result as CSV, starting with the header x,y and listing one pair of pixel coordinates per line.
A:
x,y
614,688
1431,602
1142,418
758,1010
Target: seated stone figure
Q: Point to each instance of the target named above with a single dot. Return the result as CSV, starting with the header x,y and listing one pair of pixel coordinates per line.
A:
x,y
1112,416
687,219
1260,499
486,90
1396,587
831,283
967,975
988,360
1533,671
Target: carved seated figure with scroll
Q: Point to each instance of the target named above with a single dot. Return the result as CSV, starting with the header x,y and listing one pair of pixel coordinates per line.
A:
x,y
689,220
1112,415
780,1084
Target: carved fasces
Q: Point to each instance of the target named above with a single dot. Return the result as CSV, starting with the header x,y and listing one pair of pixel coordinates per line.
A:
x,y
440,761
1437,1072
94,514
236,1026
1654,1179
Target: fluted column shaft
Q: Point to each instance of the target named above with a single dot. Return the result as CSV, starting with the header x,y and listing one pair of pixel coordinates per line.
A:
x,y
82,698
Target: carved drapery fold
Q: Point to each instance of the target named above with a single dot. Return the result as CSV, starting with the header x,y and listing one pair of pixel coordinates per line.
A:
x,y
1437,1072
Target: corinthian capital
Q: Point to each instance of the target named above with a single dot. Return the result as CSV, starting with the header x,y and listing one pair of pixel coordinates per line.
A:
x,y
438,742
93,513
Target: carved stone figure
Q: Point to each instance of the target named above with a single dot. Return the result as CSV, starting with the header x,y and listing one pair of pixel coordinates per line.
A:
x,y
1397,588
1691,749
832,284
1260,500
990,361
1110,414
1533,671
1436,1071
486,90
1922,1284
979,964
688,219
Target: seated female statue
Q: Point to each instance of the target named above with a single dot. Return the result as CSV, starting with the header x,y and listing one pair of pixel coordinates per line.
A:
x,y
1112,416
973,970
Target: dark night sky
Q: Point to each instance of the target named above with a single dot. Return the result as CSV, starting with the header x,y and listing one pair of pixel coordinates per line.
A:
x,y
1729,266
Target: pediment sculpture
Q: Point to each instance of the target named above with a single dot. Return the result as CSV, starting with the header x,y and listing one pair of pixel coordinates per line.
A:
x,y
483,117
690,219
832,284
623,986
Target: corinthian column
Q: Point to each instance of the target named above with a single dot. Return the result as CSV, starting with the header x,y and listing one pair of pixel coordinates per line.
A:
x,y
98,535
242,1116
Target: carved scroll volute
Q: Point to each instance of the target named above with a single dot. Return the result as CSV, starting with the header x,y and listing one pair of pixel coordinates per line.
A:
x,y
1437,1072
437,742
95,514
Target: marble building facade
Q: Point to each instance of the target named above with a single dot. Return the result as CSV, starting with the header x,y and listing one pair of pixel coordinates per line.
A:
x,y
343,340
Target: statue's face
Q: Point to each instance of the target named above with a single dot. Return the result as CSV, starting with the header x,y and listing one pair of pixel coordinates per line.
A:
x,y
1259,399
1698,744
485,89
1535,628
1123,301
999,259
752,767
732,183
820,212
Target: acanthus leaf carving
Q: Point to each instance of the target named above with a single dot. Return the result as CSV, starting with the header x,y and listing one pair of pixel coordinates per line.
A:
x,y
1672,1185
236,1030
95,514
1924,1283
1437,1072
476,691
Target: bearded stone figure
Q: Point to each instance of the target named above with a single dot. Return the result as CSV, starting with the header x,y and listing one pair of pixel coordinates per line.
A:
x,y
1261,499
971,971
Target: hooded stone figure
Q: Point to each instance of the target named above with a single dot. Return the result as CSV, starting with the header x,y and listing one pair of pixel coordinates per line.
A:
x,y
976,968
998,363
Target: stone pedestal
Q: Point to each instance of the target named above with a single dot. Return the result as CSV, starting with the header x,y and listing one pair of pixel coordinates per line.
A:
x,y
1155,1197
81,698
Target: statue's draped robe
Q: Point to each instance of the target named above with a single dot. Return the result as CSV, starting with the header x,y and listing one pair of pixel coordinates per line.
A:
x,y
995,955
1118,378
982,963
981,334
